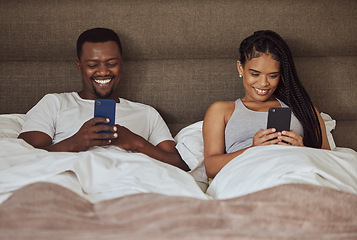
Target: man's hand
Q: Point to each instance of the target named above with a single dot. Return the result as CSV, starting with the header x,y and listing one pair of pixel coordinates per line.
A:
x,y
165,151
128,140
89,135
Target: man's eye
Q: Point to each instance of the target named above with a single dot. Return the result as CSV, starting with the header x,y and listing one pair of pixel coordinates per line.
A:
x,y
112,64
92,66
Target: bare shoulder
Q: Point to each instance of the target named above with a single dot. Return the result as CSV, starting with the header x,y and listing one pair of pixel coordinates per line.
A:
x,y
221,110
222,106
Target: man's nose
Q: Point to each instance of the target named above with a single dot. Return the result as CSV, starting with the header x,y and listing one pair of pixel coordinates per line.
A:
x,y
103,69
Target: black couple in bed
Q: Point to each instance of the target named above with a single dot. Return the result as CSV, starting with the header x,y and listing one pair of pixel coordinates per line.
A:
x,y
65,122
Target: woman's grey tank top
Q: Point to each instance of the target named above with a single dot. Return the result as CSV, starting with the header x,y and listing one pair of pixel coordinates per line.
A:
x,y
245,123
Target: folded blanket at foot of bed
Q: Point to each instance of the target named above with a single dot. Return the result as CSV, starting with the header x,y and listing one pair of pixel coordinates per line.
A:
x,y
298,211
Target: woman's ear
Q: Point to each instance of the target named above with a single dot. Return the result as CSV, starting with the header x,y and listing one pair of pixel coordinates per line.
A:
x,y
240,68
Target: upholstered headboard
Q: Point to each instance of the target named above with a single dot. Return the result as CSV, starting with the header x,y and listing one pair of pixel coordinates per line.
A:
x,y
180,56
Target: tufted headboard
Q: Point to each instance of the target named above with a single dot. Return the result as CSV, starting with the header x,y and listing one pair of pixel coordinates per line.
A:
x,y
180,56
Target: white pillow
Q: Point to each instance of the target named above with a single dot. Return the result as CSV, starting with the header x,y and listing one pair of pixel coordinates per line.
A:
x,y
11,124
330,125
190,146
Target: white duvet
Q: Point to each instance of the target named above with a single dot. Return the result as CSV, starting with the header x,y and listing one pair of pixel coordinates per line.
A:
x,y
98,174
264,167
107,173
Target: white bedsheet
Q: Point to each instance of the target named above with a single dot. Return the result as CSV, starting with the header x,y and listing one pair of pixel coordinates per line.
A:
x,y
101,173
264,167
97,174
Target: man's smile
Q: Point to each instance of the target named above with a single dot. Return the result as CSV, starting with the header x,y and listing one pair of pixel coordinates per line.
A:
x,y
102,81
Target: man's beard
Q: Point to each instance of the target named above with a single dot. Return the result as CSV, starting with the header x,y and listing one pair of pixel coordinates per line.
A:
x,y
103,95
100,95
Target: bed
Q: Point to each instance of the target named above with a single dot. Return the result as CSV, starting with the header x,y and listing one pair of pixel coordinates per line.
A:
x,y
273,192
179,57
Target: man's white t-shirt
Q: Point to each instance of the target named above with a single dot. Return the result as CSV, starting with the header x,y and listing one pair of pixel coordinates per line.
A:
x,y
61,115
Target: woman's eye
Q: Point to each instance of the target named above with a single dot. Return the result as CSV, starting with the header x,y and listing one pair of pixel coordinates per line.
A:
x,y
255,74
273,76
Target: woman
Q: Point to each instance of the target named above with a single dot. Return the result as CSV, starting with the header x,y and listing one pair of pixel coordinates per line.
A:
x,y
270,80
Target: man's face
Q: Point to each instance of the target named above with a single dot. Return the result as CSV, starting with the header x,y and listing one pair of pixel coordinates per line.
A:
x,y
100,65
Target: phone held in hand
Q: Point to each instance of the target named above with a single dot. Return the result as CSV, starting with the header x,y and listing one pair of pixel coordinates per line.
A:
x,y
279,118
105,108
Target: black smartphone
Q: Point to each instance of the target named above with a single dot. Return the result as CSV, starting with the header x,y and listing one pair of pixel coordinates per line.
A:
x,y
279,118
105,108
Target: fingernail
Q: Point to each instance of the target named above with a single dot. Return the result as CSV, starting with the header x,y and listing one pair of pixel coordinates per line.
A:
x,y
107,120
114,129
115,135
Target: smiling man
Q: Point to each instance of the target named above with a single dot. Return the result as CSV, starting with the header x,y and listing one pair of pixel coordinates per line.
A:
x,y
65,122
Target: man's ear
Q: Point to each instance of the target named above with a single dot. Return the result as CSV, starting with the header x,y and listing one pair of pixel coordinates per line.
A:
x,y
78,62
240,67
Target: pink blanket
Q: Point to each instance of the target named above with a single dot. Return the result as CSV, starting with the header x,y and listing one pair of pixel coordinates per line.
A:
x,y
292,211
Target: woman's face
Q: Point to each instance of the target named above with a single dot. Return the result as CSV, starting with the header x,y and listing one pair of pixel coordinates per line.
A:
x,y
261,76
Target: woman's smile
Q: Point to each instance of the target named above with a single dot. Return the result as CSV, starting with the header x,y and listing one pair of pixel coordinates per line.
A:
x,y
261,92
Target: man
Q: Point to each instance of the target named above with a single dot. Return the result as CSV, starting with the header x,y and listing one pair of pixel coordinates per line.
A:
x,y
64,122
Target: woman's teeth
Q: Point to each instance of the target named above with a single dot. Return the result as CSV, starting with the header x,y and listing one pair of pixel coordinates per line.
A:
x,y
261,91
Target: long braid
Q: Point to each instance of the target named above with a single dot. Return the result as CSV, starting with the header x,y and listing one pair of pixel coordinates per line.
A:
x,y
290,89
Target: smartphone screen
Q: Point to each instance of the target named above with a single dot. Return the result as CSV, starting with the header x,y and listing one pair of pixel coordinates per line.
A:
x,y
279,118
105,108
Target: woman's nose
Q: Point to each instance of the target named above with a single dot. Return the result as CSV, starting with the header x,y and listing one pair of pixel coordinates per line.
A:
x,y
263,81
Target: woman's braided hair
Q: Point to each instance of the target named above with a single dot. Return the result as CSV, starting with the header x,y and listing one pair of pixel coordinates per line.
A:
x,y
290,89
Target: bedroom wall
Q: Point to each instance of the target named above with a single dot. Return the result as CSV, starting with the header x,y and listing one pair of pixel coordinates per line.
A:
x,y
180,56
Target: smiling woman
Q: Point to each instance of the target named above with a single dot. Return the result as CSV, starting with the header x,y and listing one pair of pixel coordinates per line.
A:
x,y
261,76
269,80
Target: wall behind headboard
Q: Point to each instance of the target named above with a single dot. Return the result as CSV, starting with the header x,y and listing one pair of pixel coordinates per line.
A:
x,y
180,56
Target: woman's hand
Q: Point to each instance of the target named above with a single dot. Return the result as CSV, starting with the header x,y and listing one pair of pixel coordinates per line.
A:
x,y
290,138
265,137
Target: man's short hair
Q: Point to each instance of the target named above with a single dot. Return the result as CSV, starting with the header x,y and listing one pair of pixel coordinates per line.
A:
x,y
97,35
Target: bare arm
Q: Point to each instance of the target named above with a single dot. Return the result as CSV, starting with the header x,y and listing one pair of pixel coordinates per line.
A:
x,y
165,151
89,135
213,130
325,143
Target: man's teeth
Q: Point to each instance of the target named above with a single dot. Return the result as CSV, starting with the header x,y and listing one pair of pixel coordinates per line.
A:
x,y
102,81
